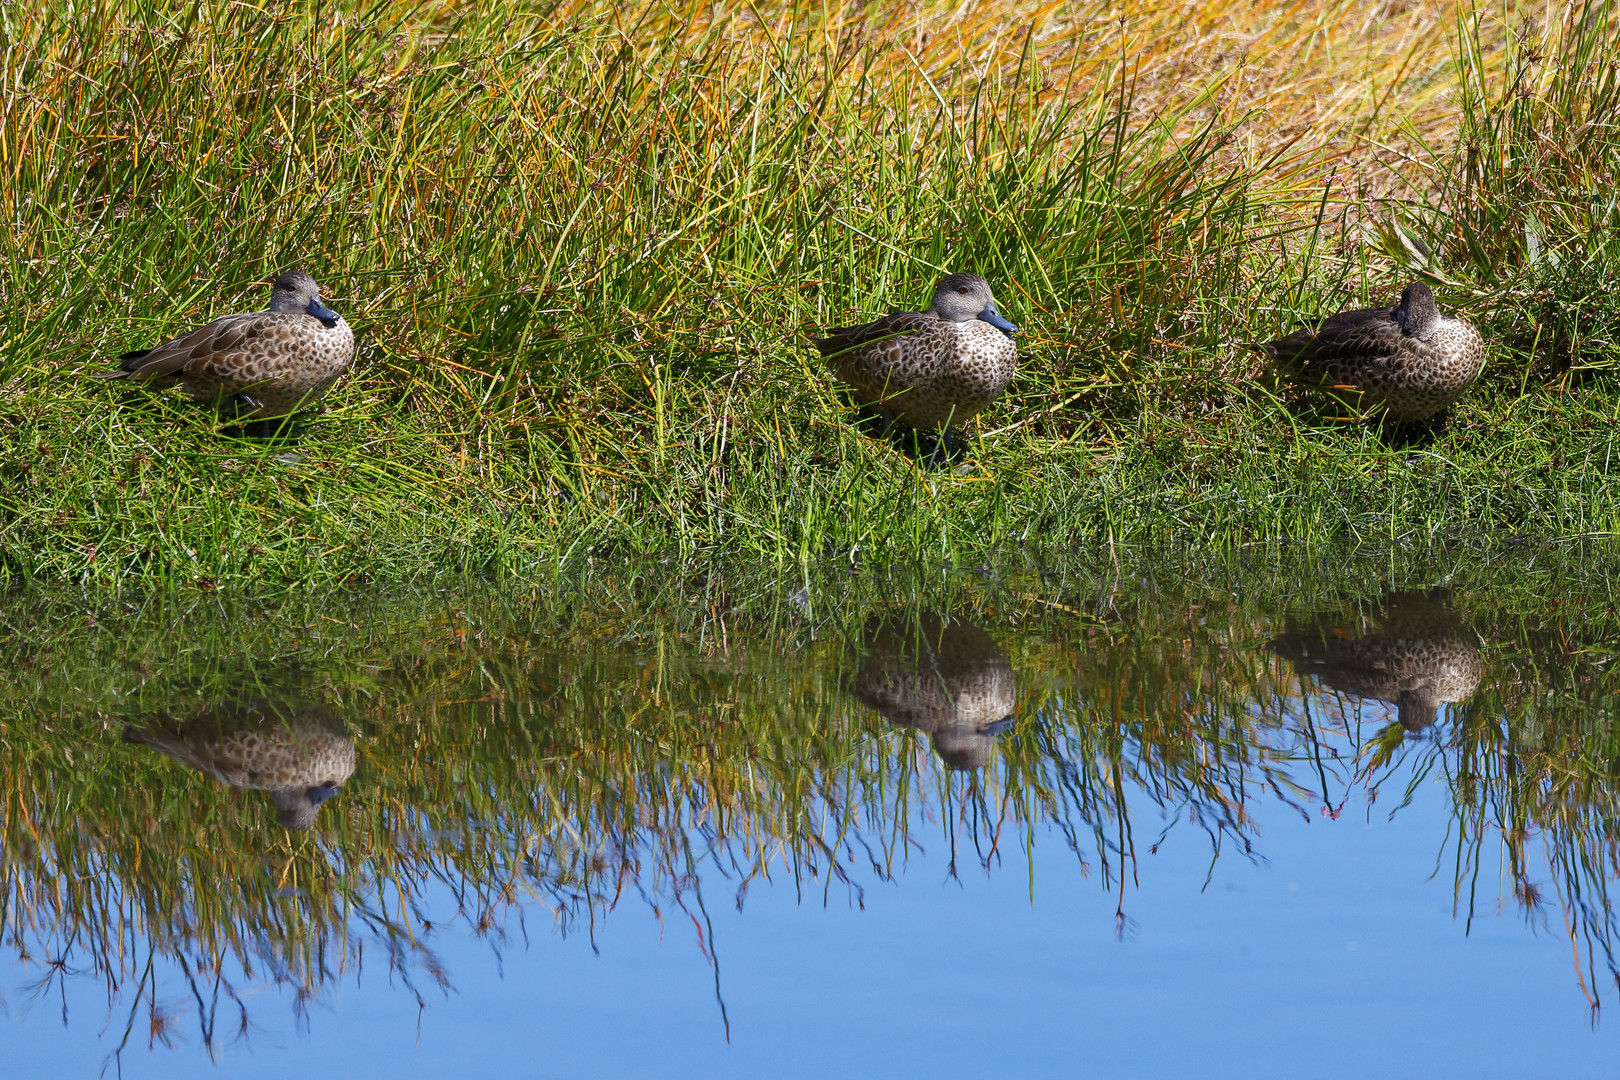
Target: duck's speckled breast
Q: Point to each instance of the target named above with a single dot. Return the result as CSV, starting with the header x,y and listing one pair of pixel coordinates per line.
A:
x,y
1427,376
1457,352
943,373
276,759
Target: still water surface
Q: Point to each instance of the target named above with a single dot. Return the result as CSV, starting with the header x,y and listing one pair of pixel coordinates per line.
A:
x,y
1220,817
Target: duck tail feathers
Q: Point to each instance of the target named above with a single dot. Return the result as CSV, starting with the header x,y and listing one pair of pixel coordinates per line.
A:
x,y
128,363
131,360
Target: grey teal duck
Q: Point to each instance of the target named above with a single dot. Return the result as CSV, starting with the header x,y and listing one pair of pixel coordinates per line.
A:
x,y
298,753
933,368
1412,651
942,676
264,364
1411,360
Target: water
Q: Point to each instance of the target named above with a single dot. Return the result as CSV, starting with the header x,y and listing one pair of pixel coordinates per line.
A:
x,y
1216,816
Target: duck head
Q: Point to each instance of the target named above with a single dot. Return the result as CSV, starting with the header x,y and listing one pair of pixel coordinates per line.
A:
x,y
962,298
1416,312
295,807
295,292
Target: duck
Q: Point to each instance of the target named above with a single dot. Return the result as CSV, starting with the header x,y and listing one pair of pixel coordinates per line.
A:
x,y
940,675
1411,650
296,752
1411,361
933,369
265,364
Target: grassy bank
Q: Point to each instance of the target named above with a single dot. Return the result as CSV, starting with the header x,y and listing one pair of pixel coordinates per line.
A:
x,y
579,244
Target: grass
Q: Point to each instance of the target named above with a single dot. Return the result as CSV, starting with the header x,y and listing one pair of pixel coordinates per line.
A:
x,y
625,734
580,244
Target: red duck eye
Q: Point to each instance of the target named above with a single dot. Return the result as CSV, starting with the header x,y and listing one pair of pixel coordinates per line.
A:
x,y
962,291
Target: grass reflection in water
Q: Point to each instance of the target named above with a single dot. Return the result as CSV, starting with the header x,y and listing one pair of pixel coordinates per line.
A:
x,y
671,737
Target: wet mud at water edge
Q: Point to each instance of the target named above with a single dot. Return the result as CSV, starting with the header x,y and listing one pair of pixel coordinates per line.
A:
x,y
1189,813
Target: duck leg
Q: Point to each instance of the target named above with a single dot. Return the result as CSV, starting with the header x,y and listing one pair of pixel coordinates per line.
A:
x,y
249,421
1412,434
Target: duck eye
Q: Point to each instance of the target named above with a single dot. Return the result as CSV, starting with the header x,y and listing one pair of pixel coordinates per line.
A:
x,y
962,291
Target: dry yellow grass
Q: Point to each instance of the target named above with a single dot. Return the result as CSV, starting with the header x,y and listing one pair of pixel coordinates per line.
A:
x,y
1362,89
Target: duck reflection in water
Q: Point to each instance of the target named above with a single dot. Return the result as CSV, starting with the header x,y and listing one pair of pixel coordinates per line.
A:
x,y
942,676
1411,650
298,753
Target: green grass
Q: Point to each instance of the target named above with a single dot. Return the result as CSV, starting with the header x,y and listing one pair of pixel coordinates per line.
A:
x,y
580,244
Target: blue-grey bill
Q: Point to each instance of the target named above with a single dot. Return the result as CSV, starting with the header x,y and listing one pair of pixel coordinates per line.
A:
x,y
993,317
321,792
321,311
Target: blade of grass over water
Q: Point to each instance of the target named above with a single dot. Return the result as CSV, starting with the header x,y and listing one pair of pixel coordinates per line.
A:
x,y
581,245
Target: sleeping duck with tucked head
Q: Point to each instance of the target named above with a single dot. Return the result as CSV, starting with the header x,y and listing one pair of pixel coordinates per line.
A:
x,y
261,365
1410,361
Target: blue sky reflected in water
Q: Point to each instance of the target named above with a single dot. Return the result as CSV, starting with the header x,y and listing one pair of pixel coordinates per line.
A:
x,y
1334,956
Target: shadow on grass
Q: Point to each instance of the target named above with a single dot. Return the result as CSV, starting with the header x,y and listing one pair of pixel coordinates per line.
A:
x,y
941,449
1323,416
222,418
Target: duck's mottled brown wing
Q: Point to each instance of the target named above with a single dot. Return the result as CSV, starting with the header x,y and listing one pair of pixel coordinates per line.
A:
x,y
197,352
1348,337
843,338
